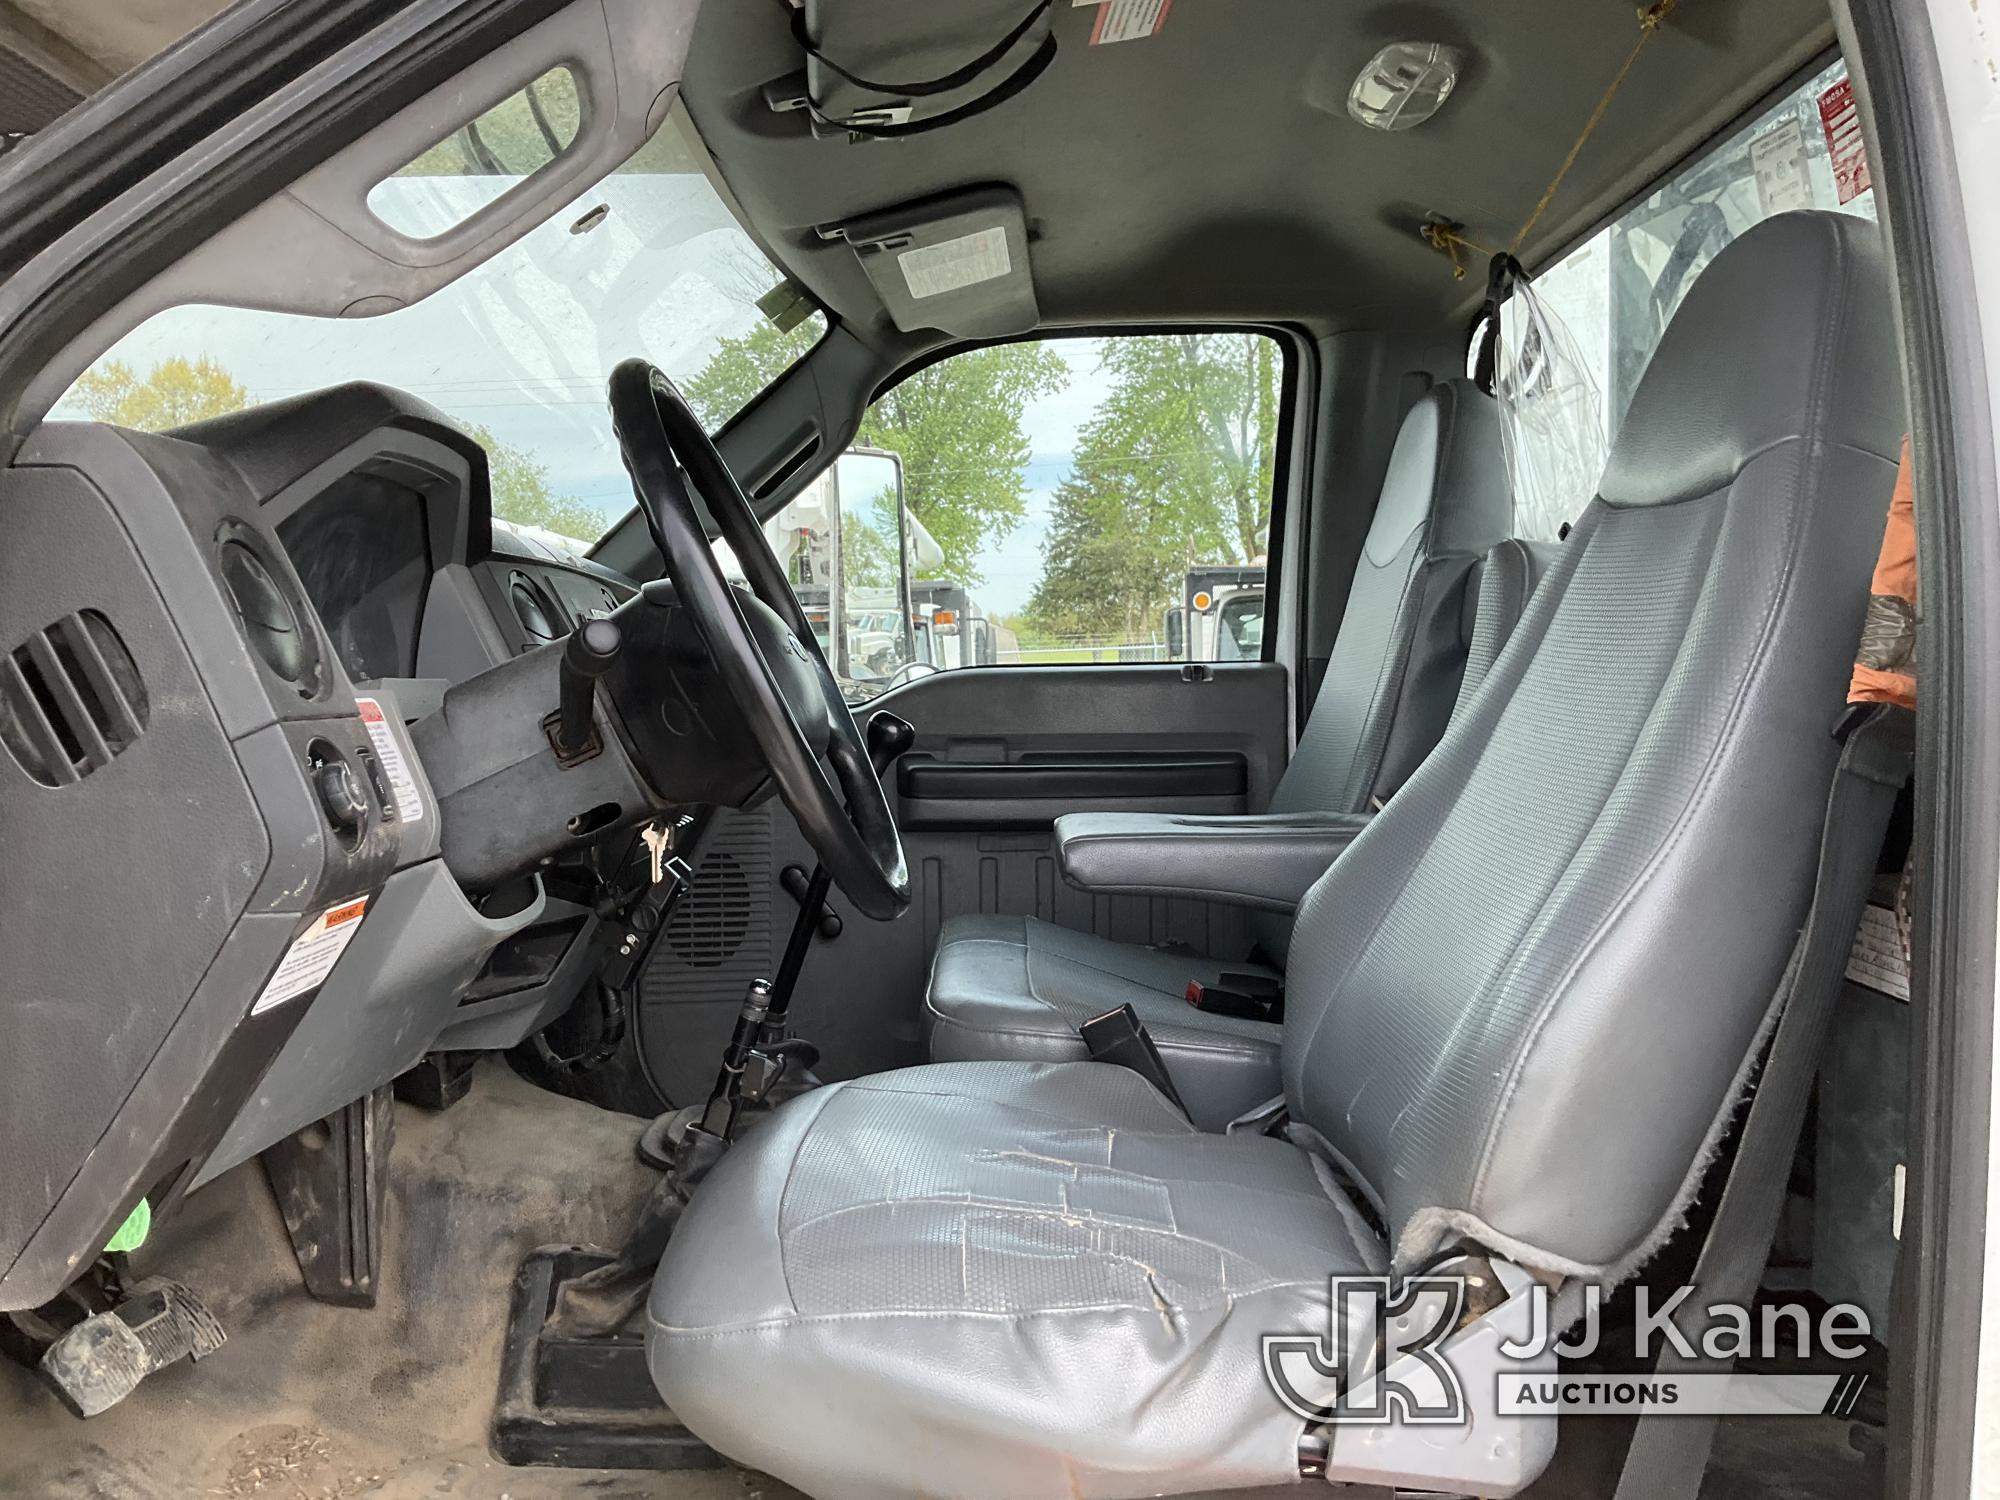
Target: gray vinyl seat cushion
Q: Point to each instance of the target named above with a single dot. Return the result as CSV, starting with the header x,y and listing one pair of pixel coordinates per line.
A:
x,y
1523,1006
1015,987
1088,1277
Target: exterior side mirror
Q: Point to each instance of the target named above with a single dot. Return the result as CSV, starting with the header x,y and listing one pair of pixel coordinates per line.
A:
x,y
1176,631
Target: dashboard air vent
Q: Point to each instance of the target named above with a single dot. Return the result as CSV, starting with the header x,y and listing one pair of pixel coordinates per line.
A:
x,y
274,622
538,613
70,699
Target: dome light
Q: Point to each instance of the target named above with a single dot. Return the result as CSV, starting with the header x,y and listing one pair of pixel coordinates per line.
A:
x,y
1403,85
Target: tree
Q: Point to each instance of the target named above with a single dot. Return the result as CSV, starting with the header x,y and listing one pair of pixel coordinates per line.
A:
x,y
957,425
743,366
522,493
175,391
1174,468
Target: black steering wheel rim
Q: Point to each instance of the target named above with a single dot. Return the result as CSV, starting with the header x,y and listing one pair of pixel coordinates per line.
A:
x,y
661,439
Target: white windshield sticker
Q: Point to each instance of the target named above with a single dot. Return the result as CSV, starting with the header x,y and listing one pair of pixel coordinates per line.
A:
x,y
1778,160
389,751
932,270
312,955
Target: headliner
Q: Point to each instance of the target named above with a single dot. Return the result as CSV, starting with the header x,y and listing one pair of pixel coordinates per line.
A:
x,y
1211,171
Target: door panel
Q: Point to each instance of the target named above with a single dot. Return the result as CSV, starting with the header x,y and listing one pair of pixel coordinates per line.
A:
x,y
999,753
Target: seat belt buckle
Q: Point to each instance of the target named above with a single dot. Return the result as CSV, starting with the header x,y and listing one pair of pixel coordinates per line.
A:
x,y
1119,1037
1248,997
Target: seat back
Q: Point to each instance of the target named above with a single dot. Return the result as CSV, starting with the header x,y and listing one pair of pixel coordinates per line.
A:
x,y
1395,667
1495,594
1523,1003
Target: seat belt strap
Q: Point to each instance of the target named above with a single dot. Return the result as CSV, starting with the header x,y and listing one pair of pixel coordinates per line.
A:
x,y
1668,1454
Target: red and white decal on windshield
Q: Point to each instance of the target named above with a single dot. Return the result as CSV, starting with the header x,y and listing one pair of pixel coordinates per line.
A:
x,y
1844,144
1126,20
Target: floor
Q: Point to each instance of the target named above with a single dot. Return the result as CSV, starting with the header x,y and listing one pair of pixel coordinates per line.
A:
x,y
311,1402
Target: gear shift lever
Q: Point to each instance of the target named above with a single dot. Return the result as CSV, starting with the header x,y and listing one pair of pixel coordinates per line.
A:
x,y
888,737
762,1057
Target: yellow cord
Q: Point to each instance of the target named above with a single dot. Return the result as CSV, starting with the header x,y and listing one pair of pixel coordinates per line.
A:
x,y
1449,239
1650,17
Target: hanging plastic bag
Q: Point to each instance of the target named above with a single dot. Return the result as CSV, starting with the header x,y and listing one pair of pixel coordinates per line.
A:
x,y
1551,415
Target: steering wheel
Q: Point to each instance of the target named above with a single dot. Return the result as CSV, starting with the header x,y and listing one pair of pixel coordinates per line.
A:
x,y
799,732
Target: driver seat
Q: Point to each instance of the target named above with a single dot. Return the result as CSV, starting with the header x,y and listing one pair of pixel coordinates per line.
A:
x,y
1523,1004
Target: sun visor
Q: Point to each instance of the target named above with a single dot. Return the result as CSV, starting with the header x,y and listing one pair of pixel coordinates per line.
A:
x,y
958,264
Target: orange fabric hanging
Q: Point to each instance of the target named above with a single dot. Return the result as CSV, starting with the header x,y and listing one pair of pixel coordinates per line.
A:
x,y
1885,666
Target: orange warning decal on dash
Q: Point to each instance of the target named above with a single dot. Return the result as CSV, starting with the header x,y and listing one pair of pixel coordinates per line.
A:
x,y
312,955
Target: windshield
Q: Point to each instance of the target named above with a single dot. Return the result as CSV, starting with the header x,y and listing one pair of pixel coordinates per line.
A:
x,y
648,262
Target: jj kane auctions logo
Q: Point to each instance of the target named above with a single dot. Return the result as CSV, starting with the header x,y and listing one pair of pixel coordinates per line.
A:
x,y
1403,1351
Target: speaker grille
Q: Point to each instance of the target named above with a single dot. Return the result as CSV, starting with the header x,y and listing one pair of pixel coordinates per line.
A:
x,y
70,699
719,937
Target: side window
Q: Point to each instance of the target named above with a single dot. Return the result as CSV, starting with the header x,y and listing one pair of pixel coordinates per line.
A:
x,y
1616,291
1080,500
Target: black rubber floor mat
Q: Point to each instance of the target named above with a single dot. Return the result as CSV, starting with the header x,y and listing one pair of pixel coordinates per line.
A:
x,y
581,1403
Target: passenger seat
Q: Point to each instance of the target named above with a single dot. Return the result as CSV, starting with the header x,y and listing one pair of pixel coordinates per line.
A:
x,y
1438,587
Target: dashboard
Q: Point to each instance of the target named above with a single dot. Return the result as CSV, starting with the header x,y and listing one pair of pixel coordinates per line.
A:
x,y
221,647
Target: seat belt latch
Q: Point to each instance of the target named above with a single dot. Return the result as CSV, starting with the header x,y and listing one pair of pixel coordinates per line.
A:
x,y
1119,1037
1249,997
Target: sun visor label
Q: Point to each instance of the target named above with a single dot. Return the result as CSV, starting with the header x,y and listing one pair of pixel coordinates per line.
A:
x,y
395,765
313,954
951,265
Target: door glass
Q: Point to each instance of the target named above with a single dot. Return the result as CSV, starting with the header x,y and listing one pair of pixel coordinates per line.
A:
x,y
1087,500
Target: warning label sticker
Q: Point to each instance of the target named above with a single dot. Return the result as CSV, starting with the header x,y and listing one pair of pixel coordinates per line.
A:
x,y
1778,158
1845,148
389,751
932,270
1126,20
1876,961
313,954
